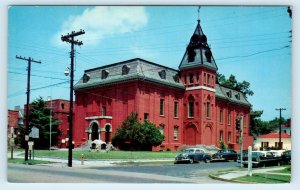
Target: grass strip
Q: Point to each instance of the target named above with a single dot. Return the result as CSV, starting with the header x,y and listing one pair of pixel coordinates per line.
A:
x,y
106,155
286,170
265,178
30,162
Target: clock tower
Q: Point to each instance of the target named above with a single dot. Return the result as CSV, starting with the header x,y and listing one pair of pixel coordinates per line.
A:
x,y
198,74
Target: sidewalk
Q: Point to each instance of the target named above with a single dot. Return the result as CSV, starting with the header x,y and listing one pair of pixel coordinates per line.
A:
x,y
231,175
87,163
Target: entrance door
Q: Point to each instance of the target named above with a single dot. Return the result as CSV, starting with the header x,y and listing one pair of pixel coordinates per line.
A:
x,y
107,133
190,135
95,133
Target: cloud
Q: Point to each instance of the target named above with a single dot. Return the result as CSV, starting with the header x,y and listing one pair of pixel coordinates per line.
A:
x,y
102,21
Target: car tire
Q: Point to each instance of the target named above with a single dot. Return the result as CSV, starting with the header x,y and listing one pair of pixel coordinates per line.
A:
x,y
206,160
191,160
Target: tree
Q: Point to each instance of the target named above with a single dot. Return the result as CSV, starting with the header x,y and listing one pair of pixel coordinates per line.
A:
x,y
259,127
133,135
223,145
39,116
232,83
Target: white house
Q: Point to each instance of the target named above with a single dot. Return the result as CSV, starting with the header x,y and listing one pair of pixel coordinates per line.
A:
x,y
271,140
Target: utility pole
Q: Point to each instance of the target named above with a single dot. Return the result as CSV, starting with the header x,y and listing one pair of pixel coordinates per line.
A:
x,y
280,110
69,38
29,60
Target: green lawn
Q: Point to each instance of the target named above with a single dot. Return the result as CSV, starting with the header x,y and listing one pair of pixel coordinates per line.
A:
x,y
286,170
109,155
22,161
265,178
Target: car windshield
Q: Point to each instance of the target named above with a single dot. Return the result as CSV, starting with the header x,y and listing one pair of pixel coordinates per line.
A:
x,y
188,151
257,154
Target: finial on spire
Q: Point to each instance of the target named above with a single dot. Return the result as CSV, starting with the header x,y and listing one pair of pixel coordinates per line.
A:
x,y
198,14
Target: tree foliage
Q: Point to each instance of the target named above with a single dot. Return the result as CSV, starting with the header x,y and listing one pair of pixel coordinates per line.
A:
x,y
39,116
232,83
133,135
260,127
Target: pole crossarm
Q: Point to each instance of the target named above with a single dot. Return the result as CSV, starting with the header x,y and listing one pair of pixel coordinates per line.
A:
x,y
70,37
28,59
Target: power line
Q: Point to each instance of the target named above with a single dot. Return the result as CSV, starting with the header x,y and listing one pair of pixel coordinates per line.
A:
x,y
253,53
37,75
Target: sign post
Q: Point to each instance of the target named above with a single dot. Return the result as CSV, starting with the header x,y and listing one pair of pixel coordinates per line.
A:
x,y
249,161
34,134
12,142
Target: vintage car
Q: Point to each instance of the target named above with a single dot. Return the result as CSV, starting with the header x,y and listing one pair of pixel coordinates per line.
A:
x,y
262,158
192,155
225,155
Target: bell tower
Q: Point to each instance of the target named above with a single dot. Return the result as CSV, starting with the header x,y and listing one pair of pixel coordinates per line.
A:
x,y
198,74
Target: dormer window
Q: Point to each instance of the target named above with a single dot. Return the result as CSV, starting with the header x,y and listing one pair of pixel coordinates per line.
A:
x,y
176,78
104,74
85,78
229,94
238,96
125,69
162,74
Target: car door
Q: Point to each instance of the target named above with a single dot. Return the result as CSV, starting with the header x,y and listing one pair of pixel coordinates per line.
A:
x,y
198,155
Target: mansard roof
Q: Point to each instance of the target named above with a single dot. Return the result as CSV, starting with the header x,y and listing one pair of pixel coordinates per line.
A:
x,y
231,95
198,52
134,69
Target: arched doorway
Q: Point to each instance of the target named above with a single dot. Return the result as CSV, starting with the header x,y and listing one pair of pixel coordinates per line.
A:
x,y
190,135
107,133
95,131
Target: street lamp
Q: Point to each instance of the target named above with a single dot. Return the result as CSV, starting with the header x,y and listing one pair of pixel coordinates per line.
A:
x,y
50,99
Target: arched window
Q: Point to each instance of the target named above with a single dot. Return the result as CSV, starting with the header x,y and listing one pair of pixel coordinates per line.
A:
x,y
176,127
191,78
161,128
207,109
191,106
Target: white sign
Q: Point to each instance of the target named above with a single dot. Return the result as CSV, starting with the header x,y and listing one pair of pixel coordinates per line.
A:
x,y
35,133
30,143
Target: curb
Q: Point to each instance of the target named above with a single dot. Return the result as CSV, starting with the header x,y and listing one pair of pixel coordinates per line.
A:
x,y
213,176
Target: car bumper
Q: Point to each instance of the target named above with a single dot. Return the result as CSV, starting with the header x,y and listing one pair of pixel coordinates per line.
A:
x,y
178,160
246,162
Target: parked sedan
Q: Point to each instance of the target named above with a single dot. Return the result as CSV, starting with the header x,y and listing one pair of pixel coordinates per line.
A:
x,y
225,154
192,155
262,158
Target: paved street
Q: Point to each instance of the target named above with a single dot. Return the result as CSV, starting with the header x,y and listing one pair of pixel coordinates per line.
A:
x,y
166,173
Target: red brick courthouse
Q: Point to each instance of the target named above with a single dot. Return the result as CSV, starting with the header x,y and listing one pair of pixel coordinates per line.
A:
x,y
188,105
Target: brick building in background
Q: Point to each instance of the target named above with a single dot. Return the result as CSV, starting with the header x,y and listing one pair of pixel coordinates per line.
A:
x,y
14,120
188,105
60,109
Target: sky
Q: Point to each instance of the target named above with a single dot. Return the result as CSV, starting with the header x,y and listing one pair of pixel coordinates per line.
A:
x,y
252,43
